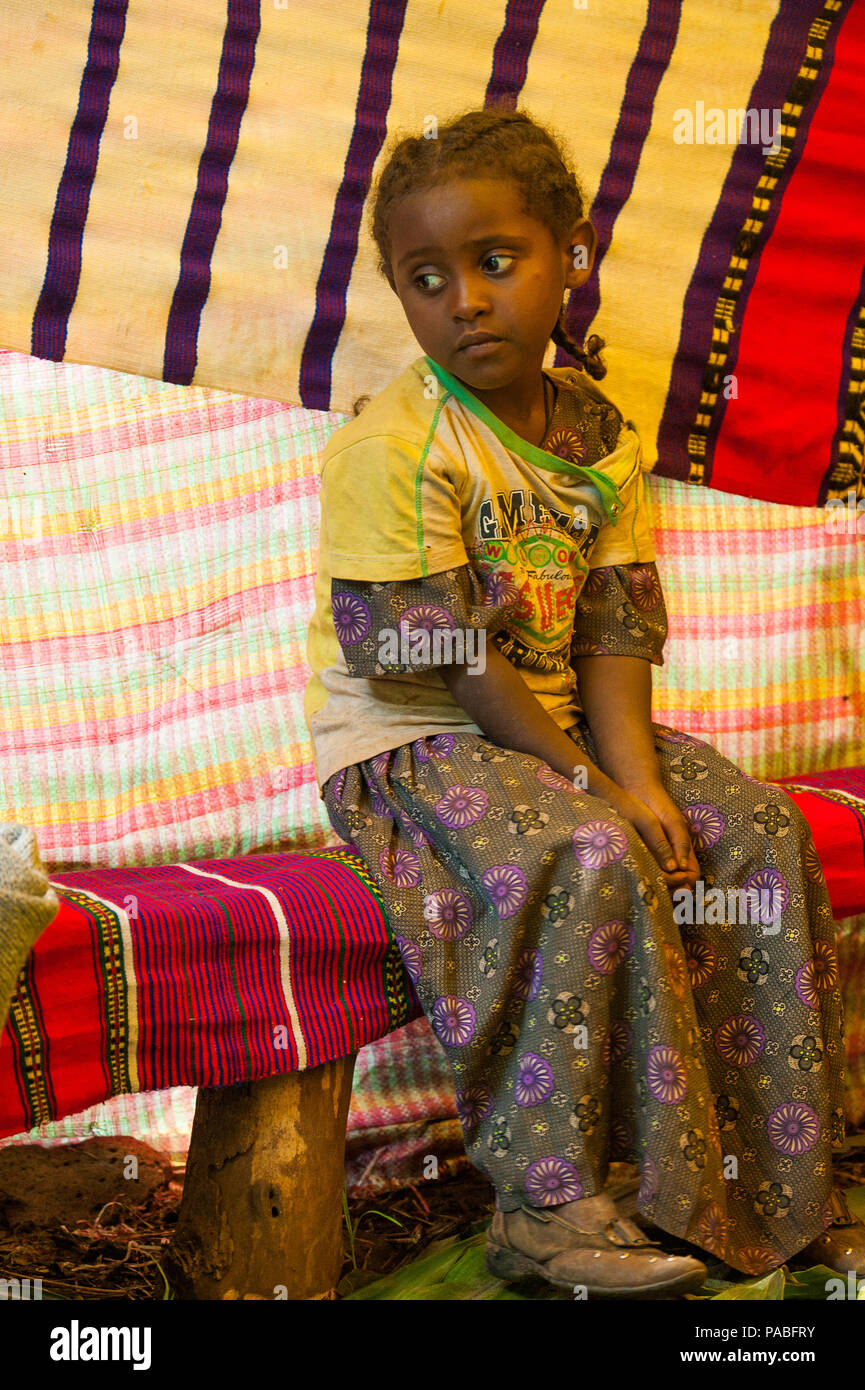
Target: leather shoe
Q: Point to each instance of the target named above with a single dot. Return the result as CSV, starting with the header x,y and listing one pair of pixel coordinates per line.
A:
x,y
842,1245
586,1243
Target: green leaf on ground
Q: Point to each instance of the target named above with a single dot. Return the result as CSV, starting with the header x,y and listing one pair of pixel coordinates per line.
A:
x,y
449,1270
354,1280
455,1269
771,1287
411,1280
808,1283
467,1293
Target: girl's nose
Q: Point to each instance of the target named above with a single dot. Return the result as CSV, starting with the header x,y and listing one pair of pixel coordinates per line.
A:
x,y
470,297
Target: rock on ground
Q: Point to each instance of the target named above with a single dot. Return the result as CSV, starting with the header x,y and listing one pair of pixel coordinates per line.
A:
x,y
58,1186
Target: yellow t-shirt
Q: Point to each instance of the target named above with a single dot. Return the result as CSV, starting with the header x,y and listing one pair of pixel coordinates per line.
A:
x,y
426,479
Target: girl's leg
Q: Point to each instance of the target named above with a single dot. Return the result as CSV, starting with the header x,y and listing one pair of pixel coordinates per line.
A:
x,y
538,930
765,986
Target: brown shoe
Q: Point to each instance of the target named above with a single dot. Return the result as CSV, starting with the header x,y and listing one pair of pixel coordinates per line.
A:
x,y
586,1243
624,1194
842,1246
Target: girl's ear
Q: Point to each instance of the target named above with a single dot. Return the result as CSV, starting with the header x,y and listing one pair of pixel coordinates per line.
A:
x,y
581,247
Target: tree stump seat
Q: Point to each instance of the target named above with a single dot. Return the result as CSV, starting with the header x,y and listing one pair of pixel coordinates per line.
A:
x,y
261,1215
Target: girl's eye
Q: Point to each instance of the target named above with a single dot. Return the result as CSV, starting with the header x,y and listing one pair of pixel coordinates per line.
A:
x,y
498,262
423,280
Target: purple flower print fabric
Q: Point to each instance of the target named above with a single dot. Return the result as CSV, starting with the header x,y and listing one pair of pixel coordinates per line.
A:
x,y
583,1020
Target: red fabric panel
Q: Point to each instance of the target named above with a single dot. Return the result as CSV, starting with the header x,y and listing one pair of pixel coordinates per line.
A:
x,y
839,838
790,356
69,1028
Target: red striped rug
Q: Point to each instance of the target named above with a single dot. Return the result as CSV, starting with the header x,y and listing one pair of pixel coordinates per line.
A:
x,y
203,974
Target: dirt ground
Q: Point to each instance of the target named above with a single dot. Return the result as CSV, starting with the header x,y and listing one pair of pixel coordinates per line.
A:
x,y
117,1254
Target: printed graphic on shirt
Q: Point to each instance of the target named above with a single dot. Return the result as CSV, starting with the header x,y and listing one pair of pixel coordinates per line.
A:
x,y
536,558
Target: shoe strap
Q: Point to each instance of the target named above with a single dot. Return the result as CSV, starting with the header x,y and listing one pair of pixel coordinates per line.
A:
x,y
841,1213
621,1231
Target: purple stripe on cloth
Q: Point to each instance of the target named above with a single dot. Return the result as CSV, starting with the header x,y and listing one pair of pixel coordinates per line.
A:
x,y
785,49
63,268
511,53
384,29
226,113
654,51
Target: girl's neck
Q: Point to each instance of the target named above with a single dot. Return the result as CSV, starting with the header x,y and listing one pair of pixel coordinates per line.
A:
x,y
525,407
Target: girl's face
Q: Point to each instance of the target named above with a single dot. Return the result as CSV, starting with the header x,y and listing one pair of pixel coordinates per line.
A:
x,y
481,281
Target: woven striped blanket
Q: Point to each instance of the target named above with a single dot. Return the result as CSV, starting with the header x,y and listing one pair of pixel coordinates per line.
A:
x,y
202,974
193,211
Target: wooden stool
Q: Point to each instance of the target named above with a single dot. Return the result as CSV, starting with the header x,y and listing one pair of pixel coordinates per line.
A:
x,y
261,1216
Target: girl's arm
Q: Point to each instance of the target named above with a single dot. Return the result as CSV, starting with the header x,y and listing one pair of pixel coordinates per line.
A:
x,y
616,695
500,703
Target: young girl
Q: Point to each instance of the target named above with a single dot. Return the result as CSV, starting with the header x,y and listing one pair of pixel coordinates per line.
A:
x,y
488,611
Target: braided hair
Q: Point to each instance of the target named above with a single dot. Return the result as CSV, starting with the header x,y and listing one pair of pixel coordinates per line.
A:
x,y
506,144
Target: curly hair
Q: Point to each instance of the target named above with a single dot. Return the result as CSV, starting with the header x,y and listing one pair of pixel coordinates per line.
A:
x,y
508,145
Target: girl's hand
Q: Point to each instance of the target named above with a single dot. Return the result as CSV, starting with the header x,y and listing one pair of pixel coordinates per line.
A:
x,y
663,828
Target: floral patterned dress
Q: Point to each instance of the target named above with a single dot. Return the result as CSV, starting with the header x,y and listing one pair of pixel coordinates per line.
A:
x,y
583,1019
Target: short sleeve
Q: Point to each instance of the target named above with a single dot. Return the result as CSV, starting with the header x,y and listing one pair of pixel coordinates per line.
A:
x,y
413,625
390,509
621,612
630,541
601,431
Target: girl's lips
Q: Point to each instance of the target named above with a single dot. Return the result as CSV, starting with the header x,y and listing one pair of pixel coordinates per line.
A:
x,y
482,349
